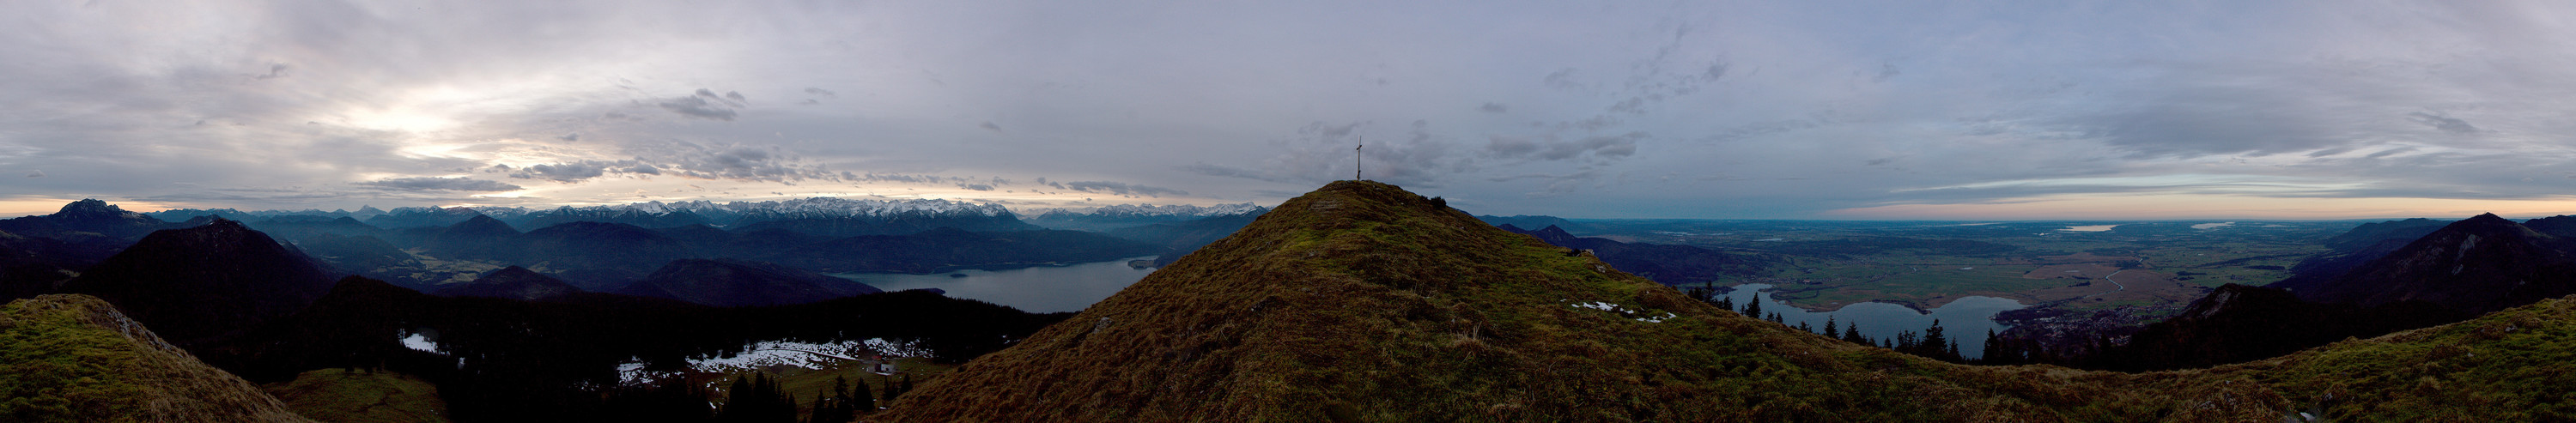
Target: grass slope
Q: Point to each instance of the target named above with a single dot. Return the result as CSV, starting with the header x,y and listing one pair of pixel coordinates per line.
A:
x,y
1363,302
338,395
74,358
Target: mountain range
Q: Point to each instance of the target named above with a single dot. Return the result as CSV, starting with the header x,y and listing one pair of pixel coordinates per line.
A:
x,y
2375,281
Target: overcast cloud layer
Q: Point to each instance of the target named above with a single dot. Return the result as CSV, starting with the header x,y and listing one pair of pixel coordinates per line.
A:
x,y
1790,109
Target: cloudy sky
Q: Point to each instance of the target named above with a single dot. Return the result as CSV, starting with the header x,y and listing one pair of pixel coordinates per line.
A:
x,y
1716,109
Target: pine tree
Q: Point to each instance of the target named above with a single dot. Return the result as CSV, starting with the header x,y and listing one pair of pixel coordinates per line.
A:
x,y
1998,351
1753,308
1934,341
1851,332
863,399
833,404
1830,330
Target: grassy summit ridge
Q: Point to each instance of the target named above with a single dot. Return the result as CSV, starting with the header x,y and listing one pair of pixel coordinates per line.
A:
x,y
74,358
1363,302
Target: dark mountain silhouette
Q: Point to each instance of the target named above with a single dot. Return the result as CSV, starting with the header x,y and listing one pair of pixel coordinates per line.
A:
x,y
86,221
1116,217
1669,264
732,283
360,255
2238,323
2562,226
31,266
849,226
477,237
944,249
512,282
1528,221
2460,270
2353,248
300,227
74,358
193,285
599,256
2478,265
414,217
639,218
1180,238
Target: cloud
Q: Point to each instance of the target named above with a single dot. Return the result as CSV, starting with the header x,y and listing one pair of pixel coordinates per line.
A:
x,y
2444,123
1491,107
274,71
570,137
1121,188
977,187
698,107
989,126
1562,79
36,173
564,172
2391,152
438,184
706,104
821,92
1608,147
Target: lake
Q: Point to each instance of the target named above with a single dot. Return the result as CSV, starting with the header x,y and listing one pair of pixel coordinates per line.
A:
x,y
1042,289
1966,319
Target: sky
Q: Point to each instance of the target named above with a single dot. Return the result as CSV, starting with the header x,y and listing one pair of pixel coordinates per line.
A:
x,y
1795,109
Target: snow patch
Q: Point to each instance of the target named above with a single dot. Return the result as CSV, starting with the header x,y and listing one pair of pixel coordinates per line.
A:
x,y
777,353
1637,315
418,341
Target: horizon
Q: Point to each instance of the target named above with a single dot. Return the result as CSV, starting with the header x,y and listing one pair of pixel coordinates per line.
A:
x,y
1763,110
9,213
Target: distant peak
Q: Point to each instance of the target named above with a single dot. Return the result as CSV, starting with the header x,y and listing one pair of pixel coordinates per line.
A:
x,y
90,206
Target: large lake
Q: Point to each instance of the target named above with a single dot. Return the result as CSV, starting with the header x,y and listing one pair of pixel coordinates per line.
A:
x,y
1043,289
1965,319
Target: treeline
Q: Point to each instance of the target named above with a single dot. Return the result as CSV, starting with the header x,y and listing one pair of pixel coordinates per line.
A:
x,y
557,360
1933,342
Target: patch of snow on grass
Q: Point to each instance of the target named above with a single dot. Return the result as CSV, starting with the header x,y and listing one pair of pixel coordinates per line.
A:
x,y
420,342
1624,312
777,353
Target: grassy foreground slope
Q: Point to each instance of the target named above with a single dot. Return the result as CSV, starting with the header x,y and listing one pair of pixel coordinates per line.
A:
x,y
342,396
74,358
1364,302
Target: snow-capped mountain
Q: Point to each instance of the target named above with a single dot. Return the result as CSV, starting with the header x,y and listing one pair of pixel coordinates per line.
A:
x,y
1128,215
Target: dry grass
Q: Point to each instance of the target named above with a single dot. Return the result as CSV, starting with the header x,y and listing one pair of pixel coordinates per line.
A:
x,y
1363,302
74,358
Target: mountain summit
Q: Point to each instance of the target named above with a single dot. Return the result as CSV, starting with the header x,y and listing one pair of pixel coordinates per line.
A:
x,y
196,283
1363,302
2481,264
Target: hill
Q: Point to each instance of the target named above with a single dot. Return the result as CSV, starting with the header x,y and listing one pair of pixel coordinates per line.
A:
x,y
204,282
1363,302
731,283
512,282
2481,264
74,358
